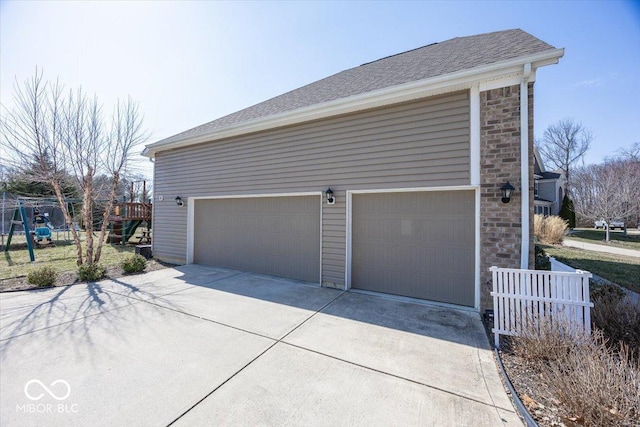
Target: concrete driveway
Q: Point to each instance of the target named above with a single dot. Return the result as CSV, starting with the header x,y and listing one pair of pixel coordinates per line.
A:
x,y
207,346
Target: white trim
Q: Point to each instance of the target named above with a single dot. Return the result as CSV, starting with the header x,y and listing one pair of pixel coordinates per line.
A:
x,y
191,216
524,165
321,203
413,189
548,180
512,80
190,224
478,255
405,92
349,220
474,135
253,196
347,260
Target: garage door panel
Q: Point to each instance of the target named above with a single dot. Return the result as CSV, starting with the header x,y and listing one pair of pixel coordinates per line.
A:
x,y
279,236
417,244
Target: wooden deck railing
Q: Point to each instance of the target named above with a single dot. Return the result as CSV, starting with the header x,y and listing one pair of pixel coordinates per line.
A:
x,y
133,211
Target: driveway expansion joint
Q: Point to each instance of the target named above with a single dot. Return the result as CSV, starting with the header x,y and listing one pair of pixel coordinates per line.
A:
x,y
491,405
276,341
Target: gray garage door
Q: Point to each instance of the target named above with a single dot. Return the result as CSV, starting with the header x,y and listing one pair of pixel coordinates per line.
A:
x,y
279,236
419,244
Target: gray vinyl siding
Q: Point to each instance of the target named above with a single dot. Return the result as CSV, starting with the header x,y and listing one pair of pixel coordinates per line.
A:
x,y
547,191
422,143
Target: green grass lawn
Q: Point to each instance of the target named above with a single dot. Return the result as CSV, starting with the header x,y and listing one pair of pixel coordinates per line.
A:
x,y
623,270
617,237
61,257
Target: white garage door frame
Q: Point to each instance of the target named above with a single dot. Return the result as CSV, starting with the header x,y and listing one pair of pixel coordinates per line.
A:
x,y
475,188
191,202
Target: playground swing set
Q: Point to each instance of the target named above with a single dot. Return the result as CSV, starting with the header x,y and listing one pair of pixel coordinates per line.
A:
x,y
128,216
41,233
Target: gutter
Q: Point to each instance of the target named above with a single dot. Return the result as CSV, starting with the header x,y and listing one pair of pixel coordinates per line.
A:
x,y
524,163
414,90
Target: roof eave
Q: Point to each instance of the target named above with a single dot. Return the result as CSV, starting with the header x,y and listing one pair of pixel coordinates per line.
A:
x,y
409,91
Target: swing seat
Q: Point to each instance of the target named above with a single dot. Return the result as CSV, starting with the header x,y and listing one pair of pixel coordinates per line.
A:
x,y
43,233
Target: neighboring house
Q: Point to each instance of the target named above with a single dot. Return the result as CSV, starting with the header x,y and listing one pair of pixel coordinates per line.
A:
x,y
415,148
548,187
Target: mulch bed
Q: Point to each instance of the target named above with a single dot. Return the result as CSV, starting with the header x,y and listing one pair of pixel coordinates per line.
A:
x,y
67,278
546,410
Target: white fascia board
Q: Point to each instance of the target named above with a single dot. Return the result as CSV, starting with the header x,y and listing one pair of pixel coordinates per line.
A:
x,y
406,92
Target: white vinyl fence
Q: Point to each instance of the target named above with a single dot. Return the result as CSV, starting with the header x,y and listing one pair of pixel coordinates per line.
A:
x,y
521,297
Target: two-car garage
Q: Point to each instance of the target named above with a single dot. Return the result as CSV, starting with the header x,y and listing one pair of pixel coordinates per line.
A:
x,y
417,243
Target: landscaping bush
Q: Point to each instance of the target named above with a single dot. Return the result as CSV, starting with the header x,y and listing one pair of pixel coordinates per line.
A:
x,y
617,318
538,223
598,291
598,385
543,342
42,277
542,259
91,272
567,212
549,229
134,264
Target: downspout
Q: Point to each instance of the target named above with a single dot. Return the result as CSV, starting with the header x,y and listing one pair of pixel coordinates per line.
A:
x,y
524,164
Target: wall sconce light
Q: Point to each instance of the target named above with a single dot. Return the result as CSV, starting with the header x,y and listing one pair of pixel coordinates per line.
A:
x,y
179,201
330,199
506,190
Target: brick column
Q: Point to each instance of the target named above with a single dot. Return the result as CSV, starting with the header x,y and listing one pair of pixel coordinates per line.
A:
x,y
500,223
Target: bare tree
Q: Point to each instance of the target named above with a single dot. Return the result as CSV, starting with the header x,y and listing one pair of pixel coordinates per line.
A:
x,y
632,157
563,144
71,137
632,153
606,191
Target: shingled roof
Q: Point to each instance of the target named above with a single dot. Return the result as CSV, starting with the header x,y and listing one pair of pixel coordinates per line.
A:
x,y
437,59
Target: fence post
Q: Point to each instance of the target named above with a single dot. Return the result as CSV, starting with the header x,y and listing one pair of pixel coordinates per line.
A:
x,y
496,313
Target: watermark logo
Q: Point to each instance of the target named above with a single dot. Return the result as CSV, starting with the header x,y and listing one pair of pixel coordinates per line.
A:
x,y
59,390
66,387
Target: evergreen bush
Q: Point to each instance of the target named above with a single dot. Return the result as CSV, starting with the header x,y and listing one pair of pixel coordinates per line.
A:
x,y
42,277
134,264
90,272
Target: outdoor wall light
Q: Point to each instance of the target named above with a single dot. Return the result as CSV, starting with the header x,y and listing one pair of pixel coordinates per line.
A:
x,y
179,201
506,190
330,199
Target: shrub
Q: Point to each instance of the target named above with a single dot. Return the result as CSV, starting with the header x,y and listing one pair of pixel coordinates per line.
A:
x,y
42,277
617,318
134,264
541,342
550,229
538,223
597,385
567,212
598,291
91,272
542,259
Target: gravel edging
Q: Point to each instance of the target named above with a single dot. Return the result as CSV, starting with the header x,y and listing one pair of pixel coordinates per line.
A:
x,y
522,410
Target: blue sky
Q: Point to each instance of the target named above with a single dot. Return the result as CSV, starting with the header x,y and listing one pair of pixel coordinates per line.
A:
x,y
191,62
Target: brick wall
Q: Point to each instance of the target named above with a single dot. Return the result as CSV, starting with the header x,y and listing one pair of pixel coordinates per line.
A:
x,y
500,223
